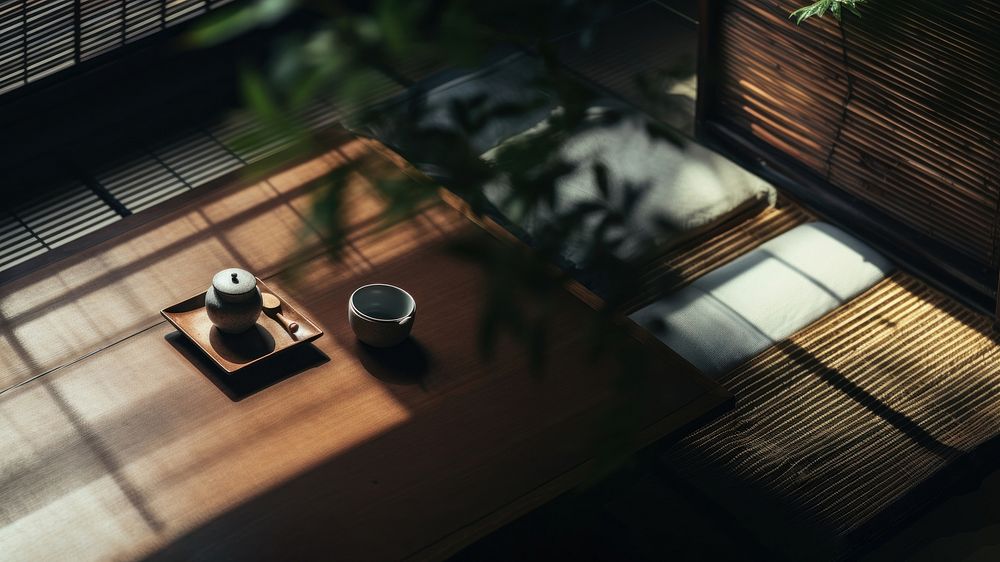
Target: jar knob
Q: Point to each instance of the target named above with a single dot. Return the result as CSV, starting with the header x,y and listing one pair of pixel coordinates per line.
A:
x,y
235,280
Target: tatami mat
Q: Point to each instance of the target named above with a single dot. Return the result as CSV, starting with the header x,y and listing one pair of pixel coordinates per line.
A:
x,y
837,431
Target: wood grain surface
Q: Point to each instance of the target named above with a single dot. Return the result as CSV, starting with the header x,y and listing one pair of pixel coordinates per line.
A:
x,y
122,441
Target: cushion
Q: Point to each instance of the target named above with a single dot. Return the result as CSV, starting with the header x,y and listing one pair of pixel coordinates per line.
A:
x,y
682,187
738,310
681,191
515,80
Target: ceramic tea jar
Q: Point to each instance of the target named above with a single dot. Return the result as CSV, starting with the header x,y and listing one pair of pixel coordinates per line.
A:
x,y
233,301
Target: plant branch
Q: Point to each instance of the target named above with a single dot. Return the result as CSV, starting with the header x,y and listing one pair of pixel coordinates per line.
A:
x,y
848,97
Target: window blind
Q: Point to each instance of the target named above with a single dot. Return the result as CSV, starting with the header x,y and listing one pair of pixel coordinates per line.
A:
x,y
897,108
153,172
41,37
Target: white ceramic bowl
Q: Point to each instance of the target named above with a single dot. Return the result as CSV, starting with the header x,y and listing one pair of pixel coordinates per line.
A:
x,y
381,315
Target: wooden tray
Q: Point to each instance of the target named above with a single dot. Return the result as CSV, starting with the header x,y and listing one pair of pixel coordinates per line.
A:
x,y
233,352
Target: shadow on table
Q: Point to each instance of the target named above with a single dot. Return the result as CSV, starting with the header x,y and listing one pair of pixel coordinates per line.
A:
x,y
406,363
254,378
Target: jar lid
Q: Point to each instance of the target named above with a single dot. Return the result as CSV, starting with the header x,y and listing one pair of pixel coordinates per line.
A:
x,y
234,281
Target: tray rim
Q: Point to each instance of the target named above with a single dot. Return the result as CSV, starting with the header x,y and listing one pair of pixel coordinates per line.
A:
x,y
260,284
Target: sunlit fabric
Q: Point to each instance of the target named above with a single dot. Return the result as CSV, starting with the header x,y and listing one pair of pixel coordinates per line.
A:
x,y
737,311
667,189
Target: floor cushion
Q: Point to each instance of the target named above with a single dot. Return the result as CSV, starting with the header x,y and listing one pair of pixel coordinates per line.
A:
x,y
451,108
736,311
679,188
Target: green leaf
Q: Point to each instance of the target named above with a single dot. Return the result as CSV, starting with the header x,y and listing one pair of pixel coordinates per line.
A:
x,y
817,8
219,27
222,26
258,96
820,7
398,20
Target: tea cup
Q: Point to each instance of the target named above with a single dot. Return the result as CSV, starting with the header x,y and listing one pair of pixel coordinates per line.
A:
x,y
381,315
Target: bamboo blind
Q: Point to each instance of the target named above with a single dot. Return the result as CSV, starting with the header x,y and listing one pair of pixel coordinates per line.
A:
x,y
845,423
898,107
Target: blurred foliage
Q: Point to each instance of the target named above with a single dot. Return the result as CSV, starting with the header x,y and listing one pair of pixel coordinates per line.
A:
x,y
344,52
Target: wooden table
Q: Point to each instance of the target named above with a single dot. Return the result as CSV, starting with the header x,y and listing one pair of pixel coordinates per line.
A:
x,y
119,441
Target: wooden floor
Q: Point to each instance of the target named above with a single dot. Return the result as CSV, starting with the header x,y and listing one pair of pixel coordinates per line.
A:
x,y
841,434
847,430
850,427
844,430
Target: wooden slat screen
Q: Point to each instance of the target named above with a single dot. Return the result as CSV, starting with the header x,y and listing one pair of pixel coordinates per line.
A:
x,y
148,172
853,425
898,108
40,37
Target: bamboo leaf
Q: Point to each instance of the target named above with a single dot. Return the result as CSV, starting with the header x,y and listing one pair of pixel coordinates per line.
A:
x,y
224,25
258,96
821,7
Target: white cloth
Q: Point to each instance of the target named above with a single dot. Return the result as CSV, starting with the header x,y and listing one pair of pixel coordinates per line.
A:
x,y
464,98
683,188
740,309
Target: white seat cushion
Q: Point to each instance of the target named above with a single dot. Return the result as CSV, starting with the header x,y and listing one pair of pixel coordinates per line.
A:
x,y
740,309
516,81
683,189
